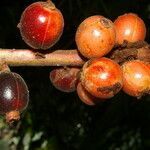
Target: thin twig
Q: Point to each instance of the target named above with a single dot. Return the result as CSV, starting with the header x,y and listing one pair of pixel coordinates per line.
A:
x,y
23,57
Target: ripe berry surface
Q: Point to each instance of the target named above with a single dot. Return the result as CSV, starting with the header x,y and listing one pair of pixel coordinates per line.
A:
x,y
136,78
95,36
41,25
129,27
14,95
102,77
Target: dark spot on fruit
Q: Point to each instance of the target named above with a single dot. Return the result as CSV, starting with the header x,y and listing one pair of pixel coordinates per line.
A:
x,y
106,90
105,22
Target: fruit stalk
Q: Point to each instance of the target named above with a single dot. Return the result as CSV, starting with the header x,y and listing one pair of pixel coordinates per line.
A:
x,y
24,57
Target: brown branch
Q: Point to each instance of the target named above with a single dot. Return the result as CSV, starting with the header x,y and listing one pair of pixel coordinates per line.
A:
x,y
23,57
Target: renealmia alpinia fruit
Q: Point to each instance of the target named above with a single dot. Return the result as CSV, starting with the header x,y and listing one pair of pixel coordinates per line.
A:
x,y
14,95
129,27
95,36
41,25
102,77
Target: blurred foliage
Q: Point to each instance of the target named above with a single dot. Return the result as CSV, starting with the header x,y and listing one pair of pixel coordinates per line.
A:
x,y
60,121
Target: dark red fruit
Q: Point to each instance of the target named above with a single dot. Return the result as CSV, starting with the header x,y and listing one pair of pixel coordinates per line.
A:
x,y
14,95
41,25
95,36
102,77
65,79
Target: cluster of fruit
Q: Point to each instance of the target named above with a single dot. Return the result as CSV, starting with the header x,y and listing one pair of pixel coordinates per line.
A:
x,y
41,26
102,77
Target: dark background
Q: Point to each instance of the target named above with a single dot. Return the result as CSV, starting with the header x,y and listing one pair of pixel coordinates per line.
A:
x,y
60,121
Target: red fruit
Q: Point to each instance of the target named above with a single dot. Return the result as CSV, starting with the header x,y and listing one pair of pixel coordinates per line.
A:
x,y
41,25
65,79
102,77
129,27
95,36
85,96
136,78
14,95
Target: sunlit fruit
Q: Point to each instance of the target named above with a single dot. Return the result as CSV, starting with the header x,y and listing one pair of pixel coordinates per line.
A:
x,y
129,27
136,78
41,25
102,77
95,36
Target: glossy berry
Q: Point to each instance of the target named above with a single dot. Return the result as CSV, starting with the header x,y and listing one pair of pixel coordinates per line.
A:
x,y
129,27
136,78
95,36
41,25
102,77
14,95
65,79
85,96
